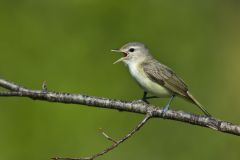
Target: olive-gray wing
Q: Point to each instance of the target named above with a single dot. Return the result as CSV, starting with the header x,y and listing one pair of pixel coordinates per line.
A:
x,y
166,77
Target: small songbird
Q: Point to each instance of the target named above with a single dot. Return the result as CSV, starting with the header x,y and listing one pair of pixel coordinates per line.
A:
x,y
153,77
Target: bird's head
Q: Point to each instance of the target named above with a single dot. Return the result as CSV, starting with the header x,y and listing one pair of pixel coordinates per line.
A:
x,y
133,52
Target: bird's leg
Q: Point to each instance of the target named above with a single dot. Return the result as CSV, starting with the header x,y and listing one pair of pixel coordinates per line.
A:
x,y
144,99
168,105
150,97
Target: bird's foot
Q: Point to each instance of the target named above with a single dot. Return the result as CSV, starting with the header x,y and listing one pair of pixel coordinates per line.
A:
x,y
145,100
165,109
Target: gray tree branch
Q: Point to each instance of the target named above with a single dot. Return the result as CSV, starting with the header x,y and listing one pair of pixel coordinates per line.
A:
x,y
141,108
136,107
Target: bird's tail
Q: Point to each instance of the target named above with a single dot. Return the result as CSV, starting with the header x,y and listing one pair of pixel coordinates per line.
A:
x,y
198,104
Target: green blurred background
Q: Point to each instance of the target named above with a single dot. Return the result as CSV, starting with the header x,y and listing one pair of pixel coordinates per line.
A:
x,y
68,42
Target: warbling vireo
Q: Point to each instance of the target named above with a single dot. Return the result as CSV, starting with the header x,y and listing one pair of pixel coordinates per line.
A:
x,y
153,77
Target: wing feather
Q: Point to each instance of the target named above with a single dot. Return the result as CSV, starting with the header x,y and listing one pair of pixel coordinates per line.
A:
x,y
164,76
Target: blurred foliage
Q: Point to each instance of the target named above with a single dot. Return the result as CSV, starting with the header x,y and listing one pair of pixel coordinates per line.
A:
x,y
68,42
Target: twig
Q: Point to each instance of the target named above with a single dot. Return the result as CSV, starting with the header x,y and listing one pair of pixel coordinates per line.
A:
x,y
107,136
44,86
115,144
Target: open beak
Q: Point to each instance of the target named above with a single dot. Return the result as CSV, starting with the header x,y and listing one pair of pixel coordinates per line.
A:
x,y
119,51
116,50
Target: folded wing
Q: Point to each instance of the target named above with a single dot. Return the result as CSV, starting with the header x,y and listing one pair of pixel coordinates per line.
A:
x,y
164,76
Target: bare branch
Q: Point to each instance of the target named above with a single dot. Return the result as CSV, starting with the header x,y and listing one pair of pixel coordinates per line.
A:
x,y
150,111
115,144
142,108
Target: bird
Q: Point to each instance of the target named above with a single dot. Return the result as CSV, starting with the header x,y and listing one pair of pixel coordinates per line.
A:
x,y
154,77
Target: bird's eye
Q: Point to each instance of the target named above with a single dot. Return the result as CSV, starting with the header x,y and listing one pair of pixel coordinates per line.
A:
x,y
131,50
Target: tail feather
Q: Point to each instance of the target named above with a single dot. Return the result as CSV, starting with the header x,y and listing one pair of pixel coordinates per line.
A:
x,y
198,104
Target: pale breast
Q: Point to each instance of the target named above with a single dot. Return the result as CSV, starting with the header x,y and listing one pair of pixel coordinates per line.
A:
x,y
147,84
